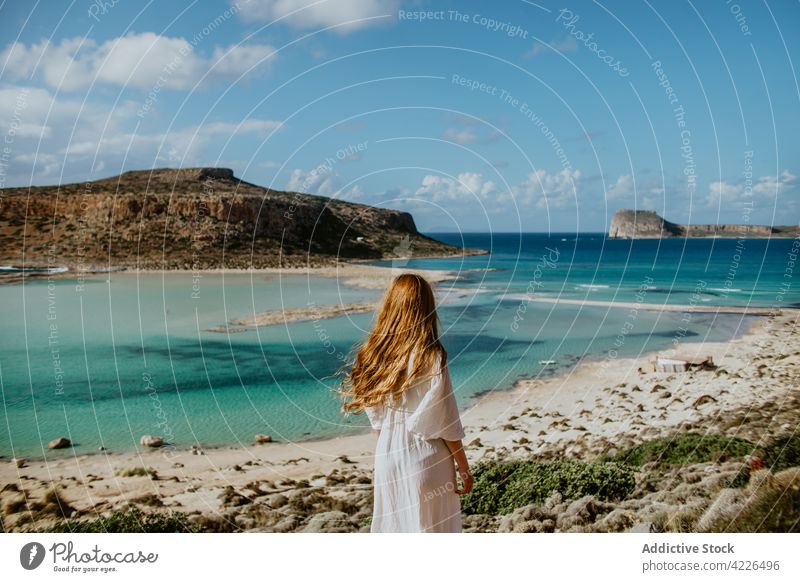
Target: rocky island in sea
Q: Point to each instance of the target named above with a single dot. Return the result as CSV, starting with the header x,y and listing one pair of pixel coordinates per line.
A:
x,y
648,224
196,219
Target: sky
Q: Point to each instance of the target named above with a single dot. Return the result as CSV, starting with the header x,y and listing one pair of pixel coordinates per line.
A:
x,y
474,116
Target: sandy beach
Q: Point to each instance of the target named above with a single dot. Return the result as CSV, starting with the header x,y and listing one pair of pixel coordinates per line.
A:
x,y
662,307
596,408
350,272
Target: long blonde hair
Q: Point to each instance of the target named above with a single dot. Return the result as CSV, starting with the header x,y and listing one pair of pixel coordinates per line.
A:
x,y
406,320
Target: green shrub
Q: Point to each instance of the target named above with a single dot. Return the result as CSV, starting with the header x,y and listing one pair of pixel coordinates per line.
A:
x,y
782,453
131,521
684,449
777,456
502,487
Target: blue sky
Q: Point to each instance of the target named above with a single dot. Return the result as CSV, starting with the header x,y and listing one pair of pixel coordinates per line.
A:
x,y
480,116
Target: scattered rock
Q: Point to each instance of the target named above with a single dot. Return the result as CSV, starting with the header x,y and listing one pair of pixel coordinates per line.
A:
x,y
231,498
276,501
330,521
582,512
704,399
59,443
151,441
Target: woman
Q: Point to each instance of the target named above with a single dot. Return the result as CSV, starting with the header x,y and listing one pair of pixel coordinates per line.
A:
x,y
401,380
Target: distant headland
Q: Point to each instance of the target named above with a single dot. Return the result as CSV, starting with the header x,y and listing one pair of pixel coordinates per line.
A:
x,y
648,224
197,219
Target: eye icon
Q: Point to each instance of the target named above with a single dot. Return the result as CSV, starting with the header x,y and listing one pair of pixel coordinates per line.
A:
x,y
31,555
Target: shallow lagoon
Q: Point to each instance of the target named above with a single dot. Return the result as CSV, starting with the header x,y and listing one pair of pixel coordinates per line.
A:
x,y
131,354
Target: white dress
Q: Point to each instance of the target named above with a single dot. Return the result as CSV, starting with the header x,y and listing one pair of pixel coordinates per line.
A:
x,y
415,478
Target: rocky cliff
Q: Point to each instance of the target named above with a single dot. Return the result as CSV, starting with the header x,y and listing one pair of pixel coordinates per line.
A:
x,y
648,224
196,218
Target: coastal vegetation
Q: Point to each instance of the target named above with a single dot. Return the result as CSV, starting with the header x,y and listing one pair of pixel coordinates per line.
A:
x,y
501,488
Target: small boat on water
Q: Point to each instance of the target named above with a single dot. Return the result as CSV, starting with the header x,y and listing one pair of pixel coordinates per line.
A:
x,y
547,362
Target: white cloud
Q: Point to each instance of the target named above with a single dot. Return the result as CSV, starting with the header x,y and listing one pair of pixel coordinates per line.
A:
x,y
321,180
539,189
467,135
181,145
139,60
622,188
460,136
724,192
65,139
320,13
775,185
764,188
467,186
261,127
33,130
646,196
548,191
46,126
324,181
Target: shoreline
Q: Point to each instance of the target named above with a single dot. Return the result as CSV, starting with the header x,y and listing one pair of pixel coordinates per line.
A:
x,y
661,307
324,484
545,375
38,271
359,275
548,415
586,365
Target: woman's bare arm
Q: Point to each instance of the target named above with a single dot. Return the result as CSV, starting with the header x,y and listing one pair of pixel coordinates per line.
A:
x,y
462,465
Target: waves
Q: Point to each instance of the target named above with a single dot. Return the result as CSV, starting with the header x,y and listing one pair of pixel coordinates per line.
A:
x,y
10,269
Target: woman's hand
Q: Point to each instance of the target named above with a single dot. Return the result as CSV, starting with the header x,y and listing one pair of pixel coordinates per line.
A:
x,y
462,466
466,481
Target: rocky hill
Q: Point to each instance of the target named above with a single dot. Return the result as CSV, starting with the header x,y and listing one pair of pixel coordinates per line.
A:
x,y
196,218
648,224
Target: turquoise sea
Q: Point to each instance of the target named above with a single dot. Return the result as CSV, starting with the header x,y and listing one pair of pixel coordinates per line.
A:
x,y
125,355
